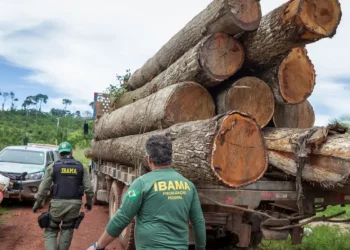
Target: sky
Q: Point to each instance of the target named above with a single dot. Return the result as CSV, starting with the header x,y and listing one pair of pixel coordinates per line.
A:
x,y
71,49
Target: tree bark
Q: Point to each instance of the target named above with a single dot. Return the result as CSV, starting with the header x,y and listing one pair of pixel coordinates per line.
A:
x,y
291,76
227,149
211,61
328,161
295,23
294,116
227,16
249,95
177,103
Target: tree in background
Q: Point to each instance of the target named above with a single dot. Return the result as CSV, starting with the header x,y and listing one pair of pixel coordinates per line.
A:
x,y
40,98
5,96
29,101
66,102
13,100
77,113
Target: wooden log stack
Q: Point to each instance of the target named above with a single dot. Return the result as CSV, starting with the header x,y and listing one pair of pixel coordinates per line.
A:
x,y
231,91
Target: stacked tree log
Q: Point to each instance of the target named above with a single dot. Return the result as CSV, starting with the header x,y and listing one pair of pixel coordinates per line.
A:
x,y
215,85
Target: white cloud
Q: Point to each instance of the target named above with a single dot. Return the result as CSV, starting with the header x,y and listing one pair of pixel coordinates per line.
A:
x,y
77,47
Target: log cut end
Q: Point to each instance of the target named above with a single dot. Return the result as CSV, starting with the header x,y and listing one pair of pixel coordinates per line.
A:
x,y
252,96
320,17
221,56
247,13
239,157
294,116
188,102
296,76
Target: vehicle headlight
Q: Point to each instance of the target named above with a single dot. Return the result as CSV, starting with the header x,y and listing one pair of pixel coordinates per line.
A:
x,y
35,176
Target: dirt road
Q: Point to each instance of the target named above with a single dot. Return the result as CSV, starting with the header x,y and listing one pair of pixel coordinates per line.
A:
x,y
19,229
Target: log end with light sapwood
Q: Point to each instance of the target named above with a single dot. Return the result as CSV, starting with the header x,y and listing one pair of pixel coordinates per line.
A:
x,y
296,76
295,23
241,15
291,76
249,95
238,156
188,102
220,56
294,116
320,17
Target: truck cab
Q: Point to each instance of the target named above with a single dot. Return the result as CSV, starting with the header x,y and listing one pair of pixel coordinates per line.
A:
x,y
25,166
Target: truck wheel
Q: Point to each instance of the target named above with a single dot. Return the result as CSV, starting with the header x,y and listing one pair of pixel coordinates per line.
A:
x,y
95,185
126,238
115,196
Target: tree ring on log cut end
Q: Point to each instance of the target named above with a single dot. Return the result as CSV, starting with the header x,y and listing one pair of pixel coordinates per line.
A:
x,y
246,12
296,76
220,56
252,96
294,116
320,17
239,156
189,102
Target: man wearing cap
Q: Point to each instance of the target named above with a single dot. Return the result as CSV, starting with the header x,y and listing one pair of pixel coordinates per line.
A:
x,y
70,180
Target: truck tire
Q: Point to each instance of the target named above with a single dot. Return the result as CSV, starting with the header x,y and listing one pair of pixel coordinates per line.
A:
x,y
126,238
115,198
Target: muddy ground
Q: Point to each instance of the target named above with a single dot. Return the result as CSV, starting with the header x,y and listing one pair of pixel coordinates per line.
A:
x,y
19,229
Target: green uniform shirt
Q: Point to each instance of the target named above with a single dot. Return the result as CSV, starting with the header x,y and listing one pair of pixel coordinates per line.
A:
x,y
163,202
45,185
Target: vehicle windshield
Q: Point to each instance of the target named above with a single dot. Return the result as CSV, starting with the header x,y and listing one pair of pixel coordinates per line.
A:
x,y
22,156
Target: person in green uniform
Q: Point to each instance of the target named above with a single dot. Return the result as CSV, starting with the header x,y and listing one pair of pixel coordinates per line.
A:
x,y
163,202
70,179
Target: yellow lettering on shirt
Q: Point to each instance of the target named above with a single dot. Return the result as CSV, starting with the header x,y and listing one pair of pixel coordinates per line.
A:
x,y
162,186
179,185
186,186
171,186
69,171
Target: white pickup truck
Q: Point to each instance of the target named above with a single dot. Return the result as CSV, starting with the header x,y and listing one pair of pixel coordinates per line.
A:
x,y
25,166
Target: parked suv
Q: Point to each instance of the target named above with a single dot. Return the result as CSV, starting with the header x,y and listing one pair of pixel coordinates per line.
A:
x,y
25,166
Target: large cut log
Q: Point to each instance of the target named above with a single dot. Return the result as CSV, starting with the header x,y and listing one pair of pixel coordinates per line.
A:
x,y
328,161
294,116
249,95
295,23
227,16
211,61
227,149
177,103
291,76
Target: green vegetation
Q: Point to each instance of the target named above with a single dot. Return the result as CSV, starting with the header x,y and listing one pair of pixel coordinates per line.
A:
x,y
323,237
31,125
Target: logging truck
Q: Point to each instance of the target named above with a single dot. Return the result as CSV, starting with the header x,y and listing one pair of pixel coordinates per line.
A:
x,y
268,208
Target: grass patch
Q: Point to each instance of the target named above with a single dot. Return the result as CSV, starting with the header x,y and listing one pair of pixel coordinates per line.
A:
x,y
323,237
331,210
78,154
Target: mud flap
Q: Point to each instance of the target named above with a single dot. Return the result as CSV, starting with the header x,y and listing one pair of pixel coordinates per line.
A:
x,y
272,234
